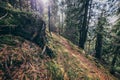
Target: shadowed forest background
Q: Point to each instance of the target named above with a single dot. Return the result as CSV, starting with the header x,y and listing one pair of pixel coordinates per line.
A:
x,y
59,39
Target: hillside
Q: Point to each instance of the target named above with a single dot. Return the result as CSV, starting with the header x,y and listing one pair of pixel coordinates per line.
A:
x,y
59,40
75,64
21,59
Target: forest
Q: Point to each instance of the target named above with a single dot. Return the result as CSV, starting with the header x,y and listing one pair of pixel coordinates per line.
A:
x,y
59,39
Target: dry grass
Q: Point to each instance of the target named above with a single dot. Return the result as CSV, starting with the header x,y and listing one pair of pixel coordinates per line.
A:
x,y
22,62
74,62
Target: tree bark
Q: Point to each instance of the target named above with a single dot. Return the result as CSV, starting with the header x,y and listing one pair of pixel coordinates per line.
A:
x,y
49,18
114,59
84,29
20,4
31,3
98,46
99,37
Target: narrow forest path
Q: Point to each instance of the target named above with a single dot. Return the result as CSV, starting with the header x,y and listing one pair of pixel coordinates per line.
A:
x,y
90,65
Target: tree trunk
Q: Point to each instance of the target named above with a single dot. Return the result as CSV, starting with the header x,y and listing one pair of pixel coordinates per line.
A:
x,y
62,23
49,18
84,28
35,5
20,4
114,61
31,3
98,46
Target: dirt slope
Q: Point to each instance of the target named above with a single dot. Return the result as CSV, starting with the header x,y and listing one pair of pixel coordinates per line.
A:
x,y
22,60
89,68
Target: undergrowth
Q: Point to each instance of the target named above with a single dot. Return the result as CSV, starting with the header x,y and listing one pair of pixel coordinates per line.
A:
x,y
54,71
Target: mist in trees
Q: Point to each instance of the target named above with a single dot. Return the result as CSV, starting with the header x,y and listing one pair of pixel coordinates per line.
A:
x,y
92,25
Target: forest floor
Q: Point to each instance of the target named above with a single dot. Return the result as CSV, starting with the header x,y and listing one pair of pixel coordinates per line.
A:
x,y
21,59
90,65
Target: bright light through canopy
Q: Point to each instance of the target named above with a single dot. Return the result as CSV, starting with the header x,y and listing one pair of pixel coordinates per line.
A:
x,y
45,1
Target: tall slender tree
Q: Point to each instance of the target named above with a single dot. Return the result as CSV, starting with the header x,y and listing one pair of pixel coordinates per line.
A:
x,y
84,27
49,20
20,4
99,38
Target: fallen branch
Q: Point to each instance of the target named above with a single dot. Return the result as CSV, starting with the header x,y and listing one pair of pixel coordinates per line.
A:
x,y
3,16
44,49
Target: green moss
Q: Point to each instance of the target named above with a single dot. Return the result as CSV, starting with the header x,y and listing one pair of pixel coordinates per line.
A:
x,y
7,40
10,40
117,69
54,71
5,4
72,74
16,17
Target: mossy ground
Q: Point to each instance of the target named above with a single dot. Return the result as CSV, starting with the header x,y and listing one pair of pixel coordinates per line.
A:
x,y
21,59
74,63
